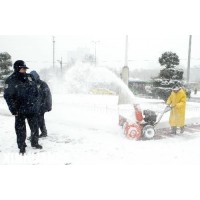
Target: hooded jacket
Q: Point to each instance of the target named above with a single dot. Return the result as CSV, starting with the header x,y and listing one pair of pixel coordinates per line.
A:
x,y
45,97
178,102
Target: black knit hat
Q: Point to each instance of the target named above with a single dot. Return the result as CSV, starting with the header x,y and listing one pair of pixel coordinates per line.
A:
x,y
19,64
176,86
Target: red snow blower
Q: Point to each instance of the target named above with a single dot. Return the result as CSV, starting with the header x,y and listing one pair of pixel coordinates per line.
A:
x,y
145,123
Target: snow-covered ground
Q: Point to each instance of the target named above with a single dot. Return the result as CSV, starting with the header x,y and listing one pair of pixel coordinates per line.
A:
x,y
83,129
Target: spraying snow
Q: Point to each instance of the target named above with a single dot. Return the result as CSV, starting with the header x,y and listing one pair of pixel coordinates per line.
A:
x,y
85,78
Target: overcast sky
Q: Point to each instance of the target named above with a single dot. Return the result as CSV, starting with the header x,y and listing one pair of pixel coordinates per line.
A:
x,y
153,27
143,51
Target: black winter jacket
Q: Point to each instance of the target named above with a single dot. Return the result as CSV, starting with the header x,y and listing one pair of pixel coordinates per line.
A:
x,y
21,94
45,97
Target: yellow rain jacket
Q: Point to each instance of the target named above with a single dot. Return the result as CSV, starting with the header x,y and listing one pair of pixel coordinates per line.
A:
x,y
178,102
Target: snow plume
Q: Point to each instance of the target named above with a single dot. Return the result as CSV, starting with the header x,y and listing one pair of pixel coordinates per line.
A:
x,y
83,78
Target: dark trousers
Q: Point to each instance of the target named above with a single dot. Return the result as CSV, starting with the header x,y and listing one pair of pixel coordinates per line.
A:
x,y
20,128
41,123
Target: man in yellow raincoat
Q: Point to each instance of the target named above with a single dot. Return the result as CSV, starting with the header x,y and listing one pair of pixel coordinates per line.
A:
x,y
177,102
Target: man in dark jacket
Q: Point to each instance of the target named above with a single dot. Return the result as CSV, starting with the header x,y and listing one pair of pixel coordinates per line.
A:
x,y
21,95
45,101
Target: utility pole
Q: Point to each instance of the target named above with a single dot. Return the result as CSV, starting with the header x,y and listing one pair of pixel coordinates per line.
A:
x,y
53,52
189,56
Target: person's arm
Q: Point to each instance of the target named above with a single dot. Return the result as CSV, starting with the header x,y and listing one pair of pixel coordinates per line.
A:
x,y
182,101
10,97
169,100
48,96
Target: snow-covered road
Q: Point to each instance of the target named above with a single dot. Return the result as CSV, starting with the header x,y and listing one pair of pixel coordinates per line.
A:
x,y
83,129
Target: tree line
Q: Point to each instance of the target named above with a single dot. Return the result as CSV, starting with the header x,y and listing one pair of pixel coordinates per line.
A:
x,y
5,65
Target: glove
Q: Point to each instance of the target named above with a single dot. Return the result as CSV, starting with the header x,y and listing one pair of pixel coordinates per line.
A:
x,y
168,108
14,113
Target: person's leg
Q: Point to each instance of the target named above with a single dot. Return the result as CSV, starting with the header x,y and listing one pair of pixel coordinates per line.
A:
x,y
20,129
33,123
182,129
173,129
42,125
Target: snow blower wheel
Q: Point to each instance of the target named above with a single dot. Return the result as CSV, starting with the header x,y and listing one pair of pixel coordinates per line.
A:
x,y
148,132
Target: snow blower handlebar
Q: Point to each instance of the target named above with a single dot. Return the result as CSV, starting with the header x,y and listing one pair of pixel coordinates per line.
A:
x,y
167,109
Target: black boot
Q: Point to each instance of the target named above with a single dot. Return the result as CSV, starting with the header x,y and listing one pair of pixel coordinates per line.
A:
x,y
34,142
37,146
43,135
22,150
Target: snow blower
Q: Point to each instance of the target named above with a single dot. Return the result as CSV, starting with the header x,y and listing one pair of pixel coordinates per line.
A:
x,y
145,123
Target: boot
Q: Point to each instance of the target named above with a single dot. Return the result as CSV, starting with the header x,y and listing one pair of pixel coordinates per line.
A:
x,y
182,129
173,130
34,142
43,135
22,150
37,146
